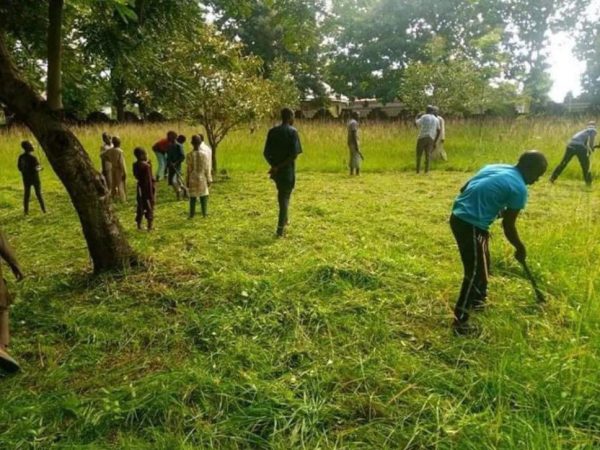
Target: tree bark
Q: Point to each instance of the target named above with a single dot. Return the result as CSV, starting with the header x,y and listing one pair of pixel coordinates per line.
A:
x,y
106,241
54,83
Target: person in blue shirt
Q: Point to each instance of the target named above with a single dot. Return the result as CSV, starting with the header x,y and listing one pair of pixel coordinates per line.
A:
x,y
281,150
581,145
498,189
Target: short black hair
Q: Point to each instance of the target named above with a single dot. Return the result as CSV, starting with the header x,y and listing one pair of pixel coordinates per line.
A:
x,y
172,134
430,109
196,139
116,141
287,114
27,146
181,139
139,153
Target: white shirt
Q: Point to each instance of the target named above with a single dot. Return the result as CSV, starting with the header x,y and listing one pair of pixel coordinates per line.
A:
x,y
442,128
205,148
429,125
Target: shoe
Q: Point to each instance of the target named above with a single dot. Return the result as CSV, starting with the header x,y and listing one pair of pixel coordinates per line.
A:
x,y
463,328
7,363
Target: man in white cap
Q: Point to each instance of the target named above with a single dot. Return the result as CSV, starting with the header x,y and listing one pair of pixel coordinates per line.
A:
x,y
581,145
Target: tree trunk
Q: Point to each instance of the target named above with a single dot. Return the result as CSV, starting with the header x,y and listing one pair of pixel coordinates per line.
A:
x,y
107,244
54,83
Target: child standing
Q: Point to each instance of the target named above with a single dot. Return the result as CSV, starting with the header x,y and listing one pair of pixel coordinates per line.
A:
x,y
118,173
198,177
142,171
30,170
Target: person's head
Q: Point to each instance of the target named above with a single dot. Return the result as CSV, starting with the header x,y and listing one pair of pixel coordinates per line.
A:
x,y
591,124
116,141
532,165
430,109
106,138
196,141
140,154
355,115
171,136
201,136
27,146
181,139
287,116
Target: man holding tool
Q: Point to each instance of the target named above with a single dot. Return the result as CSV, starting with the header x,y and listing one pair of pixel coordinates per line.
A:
x,y
498,189
581,145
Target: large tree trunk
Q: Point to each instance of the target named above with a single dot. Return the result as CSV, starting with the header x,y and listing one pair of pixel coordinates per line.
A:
x,y
107,244
54,83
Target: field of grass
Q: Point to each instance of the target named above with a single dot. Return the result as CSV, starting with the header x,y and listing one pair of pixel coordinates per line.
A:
x,y
335,337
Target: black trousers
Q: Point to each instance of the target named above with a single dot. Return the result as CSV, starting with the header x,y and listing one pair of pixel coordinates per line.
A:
x,y
284,194
37,187
584,161
203,205
424,145
474,253
144,209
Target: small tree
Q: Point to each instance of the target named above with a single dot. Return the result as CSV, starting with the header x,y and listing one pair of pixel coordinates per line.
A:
x,y
222,88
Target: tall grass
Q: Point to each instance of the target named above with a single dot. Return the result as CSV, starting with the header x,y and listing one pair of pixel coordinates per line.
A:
x,y
336,337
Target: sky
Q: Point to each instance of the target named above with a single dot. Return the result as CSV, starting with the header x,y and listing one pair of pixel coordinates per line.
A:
x,y
566,69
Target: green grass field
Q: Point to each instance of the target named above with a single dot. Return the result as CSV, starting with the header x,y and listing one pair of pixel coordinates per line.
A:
x,y
337,336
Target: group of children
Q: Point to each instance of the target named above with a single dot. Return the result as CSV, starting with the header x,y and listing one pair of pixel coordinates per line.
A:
x,y
170,154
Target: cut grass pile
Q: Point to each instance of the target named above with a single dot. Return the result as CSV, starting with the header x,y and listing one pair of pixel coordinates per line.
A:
x,y
335,337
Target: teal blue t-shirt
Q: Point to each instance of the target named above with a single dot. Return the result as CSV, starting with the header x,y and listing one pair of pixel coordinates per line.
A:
x,y
493,189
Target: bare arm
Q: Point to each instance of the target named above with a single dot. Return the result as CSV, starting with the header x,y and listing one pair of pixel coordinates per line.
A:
x,y
7,254
509,224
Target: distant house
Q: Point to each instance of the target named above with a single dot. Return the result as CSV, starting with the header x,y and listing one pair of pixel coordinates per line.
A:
x,y
372,108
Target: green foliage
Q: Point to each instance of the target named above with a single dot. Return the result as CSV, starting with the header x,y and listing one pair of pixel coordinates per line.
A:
x,y
216,84
335,337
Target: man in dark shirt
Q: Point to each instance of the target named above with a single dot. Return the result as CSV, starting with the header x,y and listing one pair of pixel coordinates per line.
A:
x,y
281,150
581,145
30,167
175,157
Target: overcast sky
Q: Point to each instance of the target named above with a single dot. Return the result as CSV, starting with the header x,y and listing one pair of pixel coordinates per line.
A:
x,y
566,69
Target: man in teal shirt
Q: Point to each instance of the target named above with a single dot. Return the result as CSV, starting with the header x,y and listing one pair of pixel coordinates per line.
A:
x,y
498,189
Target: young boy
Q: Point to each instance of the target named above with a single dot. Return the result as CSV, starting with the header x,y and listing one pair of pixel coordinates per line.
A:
x,y
142,171
198,177
30,170
118,172
7,363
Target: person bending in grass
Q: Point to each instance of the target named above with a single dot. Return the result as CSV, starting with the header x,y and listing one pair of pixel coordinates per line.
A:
x,y
198,177
7,363
142,171
175,157
581,145
497,189
281,150
30,169
429,133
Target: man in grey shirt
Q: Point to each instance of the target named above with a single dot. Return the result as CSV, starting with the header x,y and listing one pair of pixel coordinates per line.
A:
x,y
429,133
581,145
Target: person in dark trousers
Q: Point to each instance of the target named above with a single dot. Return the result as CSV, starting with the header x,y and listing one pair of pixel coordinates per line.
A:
x,y
581,145
281,150
175,157
7,363
498,189
30,169
142,171
429,133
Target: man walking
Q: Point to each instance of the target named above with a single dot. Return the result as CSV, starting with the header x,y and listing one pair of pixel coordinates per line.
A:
x,y
356,156
581,145
281,150
429,132
498,189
